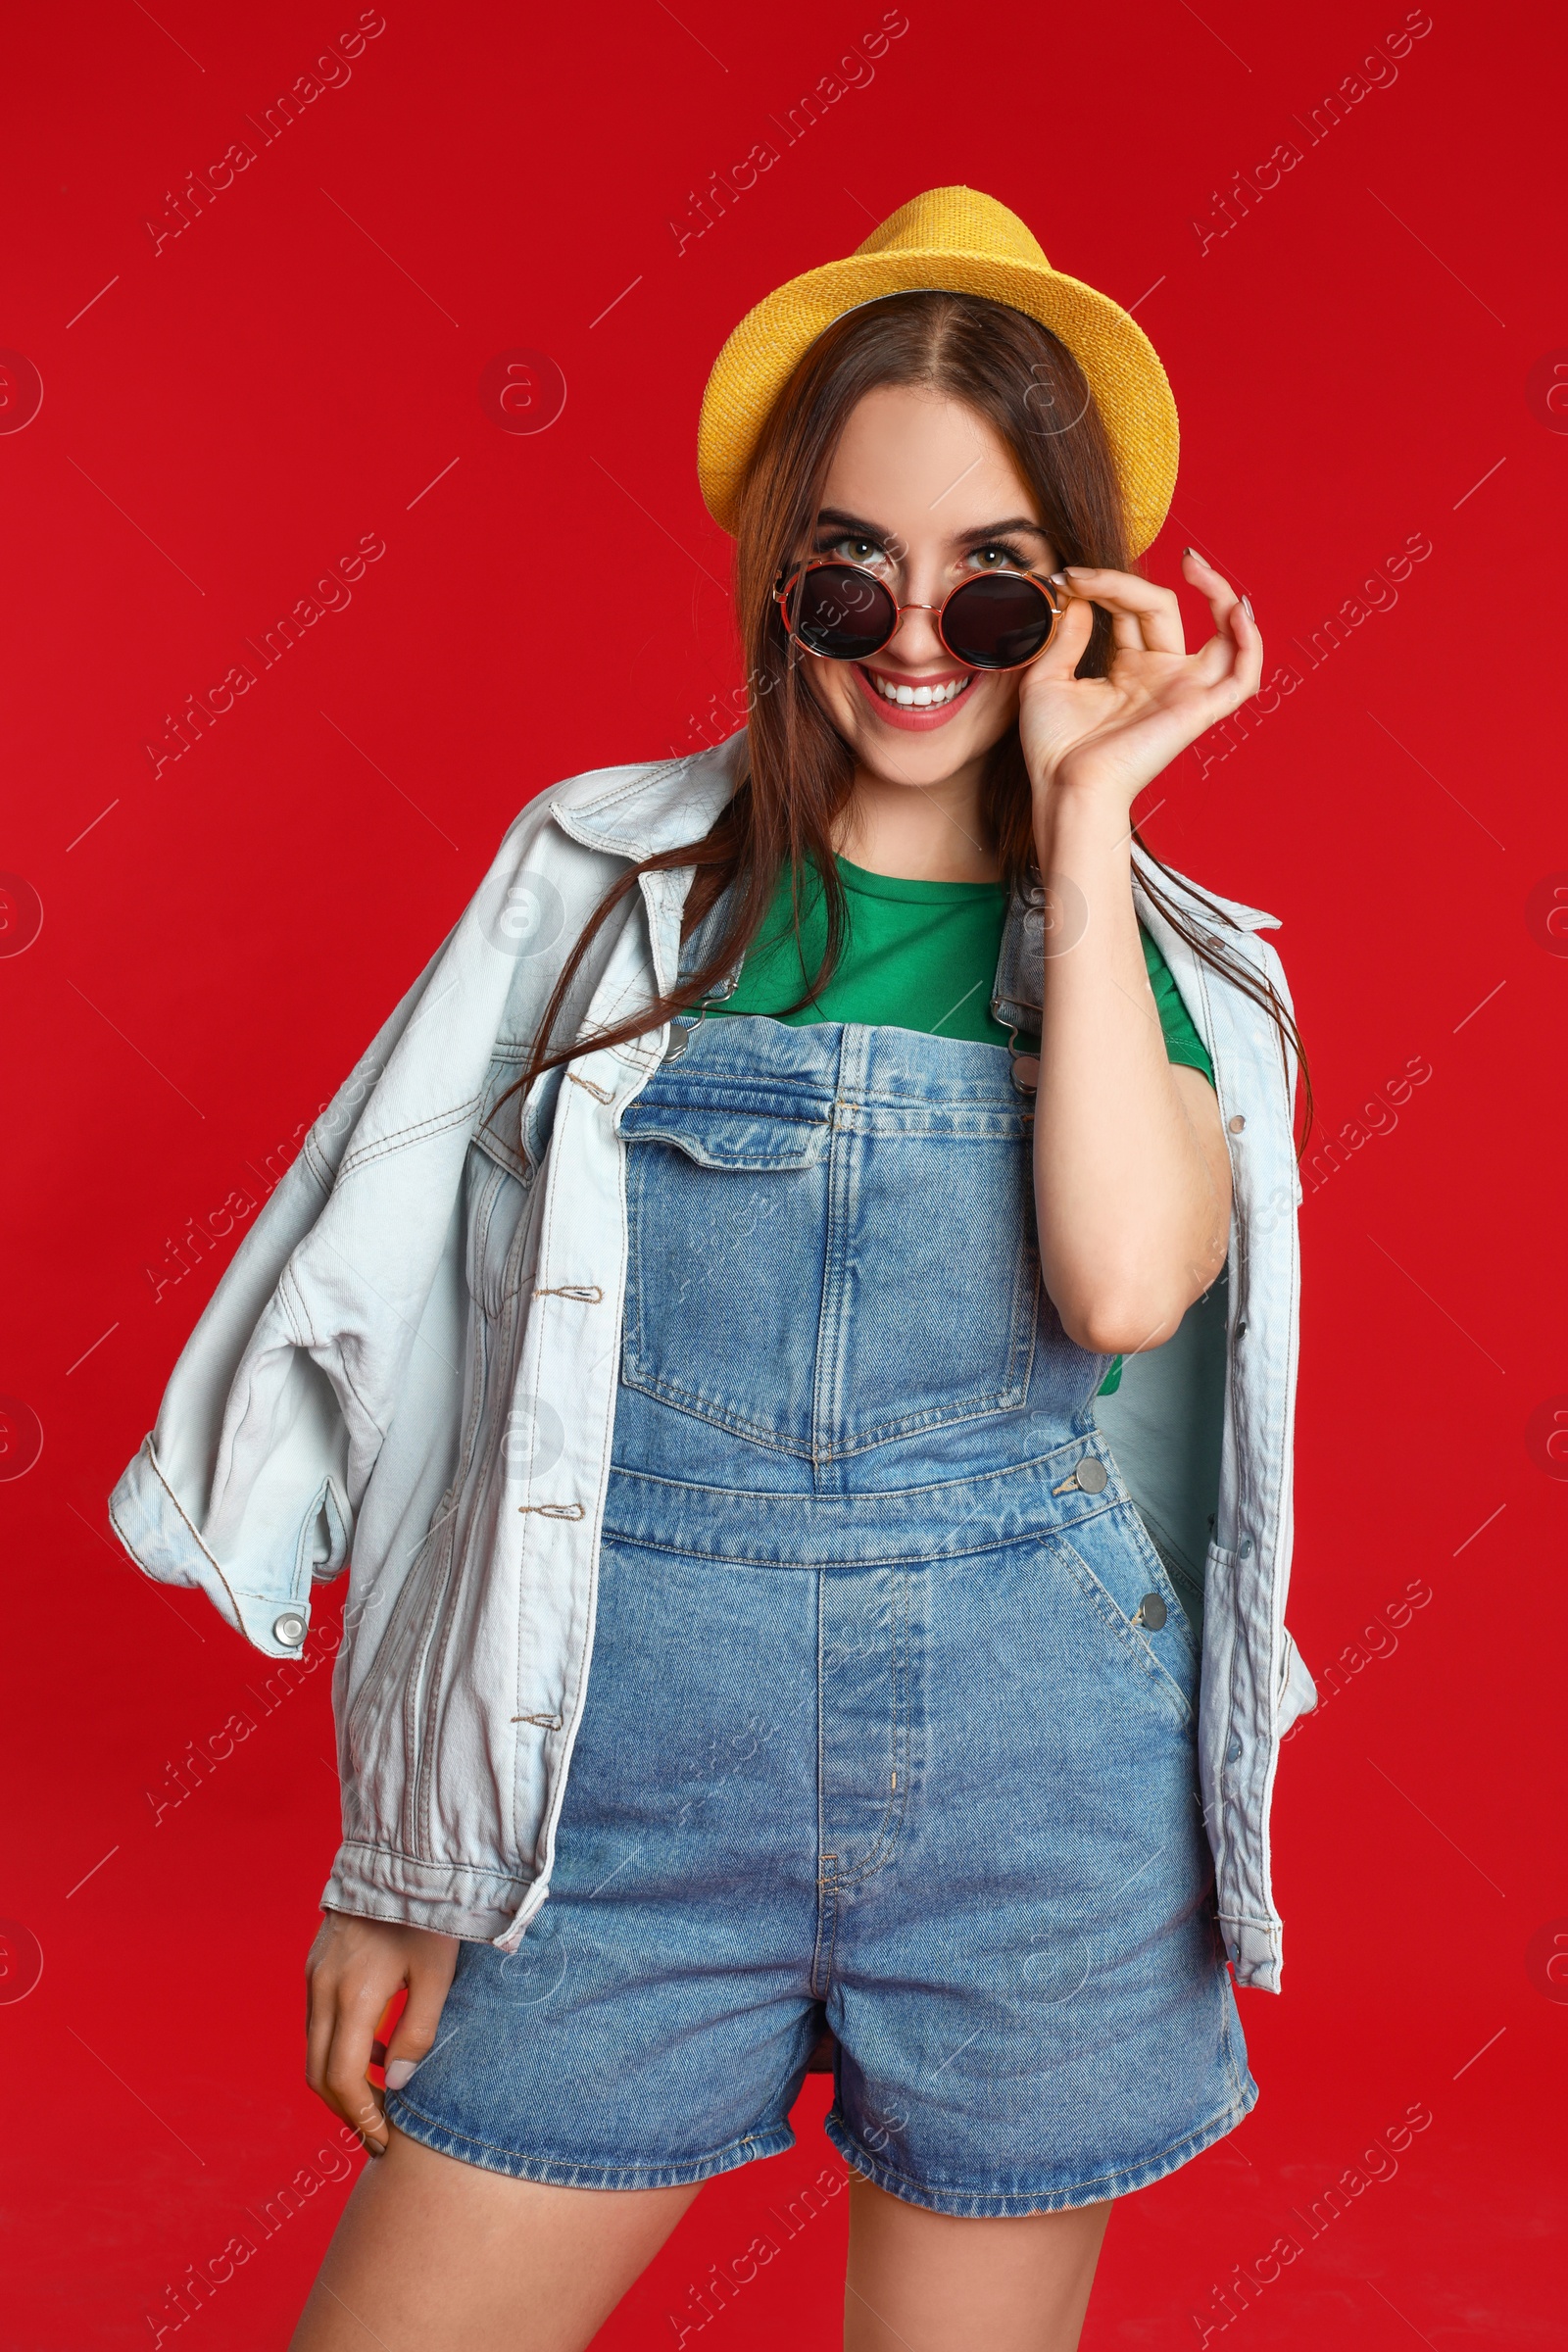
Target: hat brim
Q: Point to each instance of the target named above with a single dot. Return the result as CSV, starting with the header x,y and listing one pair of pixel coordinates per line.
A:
x,y
1130,387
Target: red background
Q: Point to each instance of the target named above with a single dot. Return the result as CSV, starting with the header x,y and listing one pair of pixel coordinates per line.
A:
x,y
219,940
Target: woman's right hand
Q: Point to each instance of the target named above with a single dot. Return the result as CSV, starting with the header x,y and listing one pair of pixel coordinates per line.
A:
x,y
355,1968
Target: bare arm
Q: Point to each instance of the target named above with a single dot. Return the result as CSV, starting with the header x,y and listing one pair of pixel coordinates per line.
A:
x,y
1132,1179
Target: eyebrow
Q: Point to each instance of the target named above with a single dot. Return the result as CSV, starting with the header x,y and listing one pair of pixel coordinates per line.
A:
x,y
838,519
1003,530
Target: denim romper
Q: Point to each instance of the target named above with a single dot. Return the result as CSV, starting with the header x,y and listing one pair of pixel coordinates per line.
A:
x,y
891,1714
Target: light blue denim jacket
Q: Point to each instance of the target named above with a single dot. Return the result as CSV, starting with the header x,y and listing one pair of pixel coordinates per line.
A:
x,y
433,1295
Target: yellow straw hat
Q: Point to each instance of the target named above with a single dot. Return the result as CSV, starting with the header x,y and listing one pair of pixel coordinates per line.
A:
x,y
956,241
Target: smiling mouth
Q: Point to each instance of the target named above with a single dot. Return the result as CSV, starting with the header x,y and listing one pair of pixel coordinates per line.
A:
x,y
930,694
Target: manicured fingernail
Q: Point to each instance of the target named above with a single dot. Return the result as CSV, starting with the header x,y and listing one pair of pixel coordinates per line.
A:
x,y
1190,550
1058,579
1246,608
400,2072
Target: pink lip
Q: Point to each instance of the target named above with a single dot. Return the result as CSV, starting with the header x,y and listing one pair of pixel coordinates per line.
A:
x,y
898,714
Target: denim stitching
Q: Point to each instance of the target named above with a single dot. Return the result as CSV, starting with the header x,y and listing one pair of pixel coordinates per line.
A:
x,y
398,1854
884,1842
923,1557
939,2197
711,2163
420,1131
1137,1653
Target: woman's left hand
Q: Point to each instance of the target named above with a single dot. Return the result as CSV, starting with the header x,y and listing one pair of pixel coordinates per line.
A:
x,y
1113,735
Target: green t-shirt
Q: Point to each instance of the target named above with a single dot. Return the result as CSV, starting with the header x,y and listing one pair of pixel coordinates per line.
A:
x,y
916,955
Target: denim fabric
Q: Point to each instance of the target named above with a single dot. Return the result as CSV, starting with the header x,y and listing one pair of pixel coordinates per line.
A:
x,y
885,1724
831,1268
411,1365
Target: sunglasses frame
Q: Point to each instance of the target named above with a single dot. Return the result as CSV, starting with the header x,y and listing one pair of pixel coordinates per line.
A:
x,y
784,584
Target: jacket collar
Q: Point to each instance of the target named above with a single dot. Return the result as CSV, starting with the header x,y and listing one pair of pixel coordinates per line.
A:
x,y
638,812
1199,903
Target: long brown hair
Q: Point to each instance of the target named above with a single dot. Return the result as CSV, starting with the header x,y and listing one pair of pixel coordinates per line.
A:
x,y
795,772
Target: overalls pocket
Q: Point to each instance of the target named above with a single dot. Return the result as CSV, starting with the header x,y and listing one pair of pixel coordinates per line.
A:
x,y
820,1265
1121,1577
726,1208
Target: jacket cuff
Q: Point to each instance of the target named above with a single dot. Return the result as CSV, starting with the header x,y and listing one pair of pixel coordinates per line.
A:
x,y
372,1882
145,1514
1252,1948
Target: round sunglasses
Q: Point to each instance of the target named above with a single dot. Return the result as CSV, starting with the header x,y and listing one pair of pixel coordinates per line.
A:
x,y
845,612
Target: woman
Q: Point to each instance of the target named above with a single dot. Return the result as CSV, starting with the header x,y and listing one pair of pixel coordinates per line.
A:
x,y
712,1269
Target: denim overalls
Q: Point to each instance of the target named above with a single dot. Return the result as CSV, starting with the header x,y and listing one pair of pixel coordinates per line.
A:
x,y
891,1717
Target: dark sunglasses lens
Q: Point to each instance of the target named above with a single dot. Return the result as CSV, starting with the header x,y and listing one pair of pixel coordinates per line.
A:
x,y
841,612
997,621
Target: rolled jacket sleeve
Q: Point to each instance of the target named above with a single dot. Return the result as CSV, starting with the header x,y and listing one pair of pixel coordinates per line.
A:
x,y
243,1487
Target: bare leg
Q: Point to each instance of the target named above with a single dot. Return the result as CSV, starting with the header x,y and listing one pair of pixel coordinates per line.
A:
x,y
436,2256
920,2282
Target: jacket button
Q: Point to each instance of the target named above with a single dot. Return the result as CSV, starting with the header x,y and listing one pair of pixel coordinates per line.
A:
x,y
1238,1123
1234,1752
289,1629
1092,1476
1151,1612
1247,1547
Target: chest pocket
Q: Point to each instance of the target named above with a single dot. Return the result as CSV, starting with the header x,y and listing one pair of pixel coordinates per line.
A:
x,y
821,1286
726,1212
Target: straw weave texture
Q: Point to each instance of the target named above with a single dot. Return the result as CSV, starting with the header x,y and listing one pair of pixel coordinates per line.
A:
x,y
959,241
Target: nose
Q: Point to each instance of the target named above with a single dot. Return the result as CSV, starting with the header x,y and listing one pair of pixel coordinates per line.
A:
x,y
916,639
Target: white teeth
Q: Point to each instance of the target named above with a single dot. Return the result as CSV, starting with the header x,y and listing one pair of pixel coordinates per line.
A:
x,y
922,698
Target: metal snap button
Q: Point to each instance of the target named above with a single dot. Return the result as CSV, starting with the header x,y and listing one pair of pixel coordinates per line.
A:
x,y
1238,1123
1150,1613
1092,1476
289,1629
